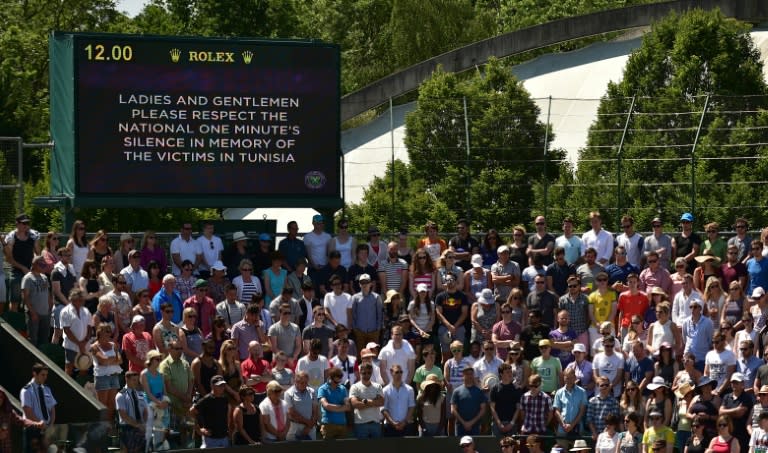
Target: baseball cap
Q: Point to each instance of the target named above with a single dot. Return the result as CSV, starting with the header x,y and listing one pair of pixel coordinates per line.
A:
x,y
22,218
758,292
686,217
371,345
422,287
502,249
364,278
466,440
738,377
200,283
265,237
477,260
137,319
217,380
317,218
579,347
545,343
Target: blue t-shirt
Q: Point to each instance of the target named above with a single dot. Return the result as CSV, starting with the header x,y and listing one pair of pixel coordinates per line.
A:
x,y
637,369
468,401
336,396
758,274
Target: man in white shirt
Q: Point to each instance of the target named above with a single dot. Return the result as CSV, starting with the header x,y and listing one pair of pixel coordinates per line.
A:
x,y
315,365
598,238
183,247
399,403
337,304
609,364
720,363
316,243
397,352
75,321
367,397
211,247
231,309
488,365
682,301
135,277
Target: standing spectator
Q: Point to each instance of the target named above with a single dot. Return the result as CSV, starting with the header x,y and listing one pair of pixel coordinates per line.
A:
x,y
274,414
505,332
399,403
237,253
535,408
430,407
303,409
285,336
682,302
315,365
203,306
563,339
575,302
347,363
292,248
468,405
152,251
316,244
230,309
484,313
741,240
393,271
318,330
570,406
541,242
39,407
655,276
76,322
256,371
505,273
757,268
658,242
686,244
362,266
588,271
211,248
723,441
638,367
558,272
20,248
632,242
738,406
334,404
38,300
184,248
247,283
571,244
583,368
248,330
218,282
338,304
136,277
346,245
397,352
377,249
656,432
247,419
136,344
532,334
601,406
211,413
179,382
759,439
106,368
609,364
542,299
463,244
748,365
132,409
451,309
503,397
168,295
598,238
720,363
432,243
487,368
549,368
62,281
366,313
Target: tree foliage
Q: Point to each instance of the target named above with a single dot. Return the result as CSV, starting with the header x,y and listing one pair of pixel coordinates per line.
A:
x,y
684,62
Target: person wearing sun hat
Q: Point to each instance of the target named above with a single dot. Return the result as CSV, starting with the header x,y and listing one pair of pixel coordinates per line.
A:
x,y
580,445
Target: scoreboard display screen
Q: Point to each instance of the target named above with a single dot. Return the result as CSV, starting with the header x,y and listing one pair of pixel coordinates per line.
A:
x,y
196,116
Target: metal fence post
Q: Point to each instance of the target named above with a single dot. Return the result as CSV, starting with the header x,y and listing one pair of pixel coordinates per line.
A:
x,y
469,172
392,144
618,162
693,156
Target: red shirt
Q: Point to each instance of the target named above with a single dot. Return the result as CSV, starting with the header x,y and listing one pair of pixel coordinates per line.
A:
x,y
632,304
258,367
138,347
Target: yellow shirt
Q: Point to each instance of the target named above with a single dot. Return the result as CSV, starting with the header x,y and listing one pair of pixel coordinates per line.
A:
x,y
602,305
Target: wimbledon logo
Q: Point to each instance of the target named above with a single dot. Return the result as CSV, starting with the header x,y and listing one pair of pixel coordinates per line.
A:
x,y
314,180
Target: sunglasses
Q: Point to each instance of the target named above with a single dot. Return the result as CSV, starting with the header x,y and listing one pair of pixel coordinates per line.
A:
x,y
573,286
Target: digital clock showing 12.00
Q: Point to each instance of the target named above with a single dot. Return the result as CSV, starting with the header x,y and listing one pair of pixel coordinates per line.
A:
x,y
206,116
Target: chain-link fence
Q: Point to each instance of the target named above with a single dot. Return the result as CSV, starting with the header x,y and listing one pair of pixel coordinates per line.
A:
x,y
639,155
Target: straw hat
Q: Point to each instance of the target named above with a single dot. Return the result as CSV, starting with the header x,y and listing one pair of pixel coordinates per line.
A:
x,y
431,379
83,361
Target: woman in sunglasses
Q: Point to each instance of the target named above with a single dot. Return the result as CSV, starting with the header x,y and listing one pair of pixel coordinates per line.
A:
x,y
724,442
699,440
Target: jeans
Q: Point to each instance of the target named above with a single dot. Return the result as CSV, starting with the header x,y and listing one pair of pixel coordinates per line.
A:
x,y
371,430
460,431
39,331
215,442
497,432
432,430
445,338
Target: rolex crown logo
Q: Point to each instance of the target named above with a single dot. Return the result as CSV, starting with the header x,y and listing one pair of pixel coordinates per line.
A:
x,y
247,56
175,54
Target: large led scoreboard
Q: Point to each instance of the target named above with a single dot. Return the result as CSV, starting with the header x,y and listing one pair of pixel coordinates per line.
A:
x,y
172,121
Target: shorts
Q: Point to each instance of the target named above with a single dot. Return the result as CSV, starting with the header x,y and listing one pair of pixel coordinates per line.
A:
x,y
56,316
15,293
446,338
3,292
107,382
69,356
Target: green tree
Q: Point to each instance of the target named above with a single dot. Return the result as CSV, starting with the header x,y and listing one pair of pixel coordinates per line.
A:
x,y
493,183
682,60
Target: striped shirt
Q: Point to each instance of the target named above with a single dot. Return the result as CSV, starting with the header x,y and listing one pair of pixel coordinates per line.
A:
x,y
393,272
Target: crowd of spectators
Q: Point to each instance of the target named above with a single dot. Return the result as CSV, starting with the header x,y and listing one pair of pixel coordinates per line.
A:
x,y
631,342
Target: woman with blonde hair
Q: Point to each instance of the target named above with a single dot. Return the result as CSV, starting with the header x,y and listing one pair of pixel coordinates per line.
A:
x,y
734,306
519,309
713,299
151,251
448,264
663,330
107,363
724,441
190,336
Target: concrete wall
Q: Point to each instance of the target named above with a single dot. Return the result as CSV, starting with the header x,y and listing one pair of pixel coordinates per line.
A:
x,y
543,35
